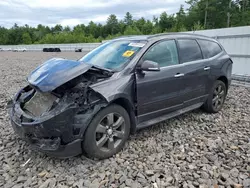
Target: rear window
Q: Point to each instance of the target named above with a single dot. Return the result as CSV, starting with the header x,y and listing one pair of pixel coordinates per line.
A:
x,y
209,48
189,50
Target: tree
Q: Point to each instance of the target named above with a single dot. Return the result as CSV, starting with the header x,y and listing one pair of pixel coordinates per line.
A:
x,y
4,35
40,32
112,24
92,29
180,19
155,20
79,29
148,27
132,31
26,38
122,26
240,12
66,29
214,13
166,22
217,13
128,19
57,29
140,23
197,26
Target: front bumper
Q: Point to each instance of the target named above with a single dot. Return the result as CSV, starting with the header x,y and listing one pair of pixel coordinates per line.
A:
x,y
55,135
41,140
58,132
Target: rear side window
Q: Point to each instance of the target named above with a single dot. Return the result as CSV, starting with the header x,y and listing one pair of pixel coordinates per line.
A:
x,y
189,50
164,53
209,48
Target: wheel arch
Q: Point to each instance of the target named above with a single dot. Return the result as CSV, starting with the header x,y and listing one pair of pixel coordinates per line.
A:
x,y
224,80
126,104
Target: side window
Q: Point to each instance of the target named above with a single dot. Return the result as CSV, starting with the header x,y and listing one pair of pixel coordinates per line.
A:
x,y
163,53
209,48
189,50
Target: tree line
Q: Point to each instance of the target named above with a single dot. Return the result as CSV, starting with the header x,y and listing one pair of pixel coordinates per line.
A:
x,y
201,14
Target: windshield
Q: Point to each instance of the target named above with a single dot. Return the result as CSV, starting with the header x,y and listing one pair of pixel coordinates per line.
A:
x,y
113,55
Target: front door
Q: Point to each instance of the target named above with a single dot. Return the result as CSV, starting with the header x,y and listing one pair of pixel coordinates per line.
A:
x,y
158,93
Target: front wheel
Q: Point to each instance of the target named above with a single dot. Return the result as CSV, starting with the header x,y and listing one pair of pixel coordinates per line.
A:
x,y
216,97
107,133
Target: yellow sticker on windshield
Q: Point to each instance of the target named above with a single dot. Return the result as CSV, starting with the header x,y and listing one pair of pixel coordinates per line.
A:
x,y
128,53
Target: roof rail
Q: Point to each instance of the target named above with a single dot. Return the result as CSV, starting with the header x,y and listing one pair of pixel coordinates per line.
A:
x,y
175,33
126,36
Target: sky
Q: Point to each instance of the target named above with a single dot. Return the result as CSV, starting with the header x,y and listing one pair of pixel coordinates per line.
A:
x,y
73,12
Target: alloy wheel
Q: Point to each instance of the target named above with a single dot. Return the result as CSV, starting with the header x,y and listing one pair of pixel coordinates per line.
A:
x,y
110,132
218,97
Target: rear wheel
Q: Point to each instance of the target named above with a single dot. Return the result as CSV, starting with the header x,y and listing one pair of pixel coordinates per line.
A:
x,y
107,133
216,97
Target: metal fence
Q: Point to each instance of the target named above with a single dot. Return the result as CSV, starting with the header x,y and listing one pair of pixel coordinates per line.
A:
x,y
86,47
236,42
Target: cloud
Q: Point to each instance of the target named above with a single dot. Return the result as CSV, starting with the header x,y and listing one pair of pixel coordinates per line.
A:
x,y
73,12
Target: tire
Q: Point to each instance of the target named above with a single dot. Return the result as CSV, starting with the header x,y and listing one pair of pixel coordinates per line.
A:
x,y
97,141
216,96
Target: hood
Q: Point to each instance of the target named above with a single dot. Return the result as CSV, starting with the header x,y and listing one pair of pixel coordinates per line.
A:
x,y
55,72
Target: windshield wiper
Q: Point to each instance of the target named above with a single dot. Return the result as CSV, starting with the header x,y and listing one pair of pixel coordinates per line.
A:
x,y
100,68
107,71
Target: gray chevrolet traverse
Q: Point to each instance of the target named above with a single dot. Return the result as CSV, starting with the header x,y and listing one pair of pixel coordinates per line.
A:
x,y
92,105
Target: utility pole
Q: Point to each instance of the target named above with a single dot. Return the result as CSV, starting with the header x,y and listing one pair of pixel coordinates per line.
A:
x,y
205,20
228,13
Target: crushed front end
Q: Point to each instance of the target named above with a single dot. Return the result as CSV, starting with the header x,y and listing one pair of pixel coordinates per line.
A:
x,y
55,121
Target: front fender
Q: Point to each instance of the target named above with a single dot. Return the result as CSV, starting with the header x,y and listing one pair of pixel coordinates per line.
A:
x,y
123,87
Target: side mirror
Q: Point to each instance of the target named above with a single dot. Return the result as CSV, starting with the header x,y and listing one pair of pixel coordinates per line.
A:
x,y
150,66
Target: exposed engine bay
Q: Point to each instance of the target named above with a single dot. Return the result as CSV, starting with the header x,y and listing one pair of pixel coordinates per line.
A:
x,y
76,91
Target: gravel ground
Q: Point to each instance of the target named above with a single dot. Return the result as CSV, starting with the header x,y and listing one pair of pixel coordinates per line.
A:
x,y
192,150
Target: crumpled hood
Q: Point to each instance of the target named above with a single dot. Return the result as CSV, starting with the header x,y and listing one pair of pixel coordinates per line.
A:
x,y
55,72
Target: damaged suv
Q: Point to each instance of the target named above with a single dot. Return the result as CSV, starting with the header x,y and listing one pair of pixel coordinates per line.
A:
x,y
92,105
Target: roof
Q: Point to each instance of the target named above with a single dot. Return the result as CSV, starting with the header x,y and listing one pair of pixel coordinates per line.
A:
x,y
161,36
133,37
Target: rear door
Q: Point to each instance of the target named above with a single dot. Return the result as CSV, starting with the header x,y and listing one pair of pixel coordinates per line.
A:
x,y
212,54
196,71
158,93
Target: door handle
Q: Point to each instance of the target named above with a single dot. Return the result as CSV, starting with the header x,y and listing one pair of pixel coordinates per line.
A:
x,y
206,68
178,75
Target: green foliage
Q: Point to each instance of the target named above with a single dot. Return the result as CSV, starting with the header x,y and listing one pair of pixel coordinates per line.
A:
x,y
132,31
180,20
184,20
197,26
112,25
26,38
128,19
65,37
217,13
166,22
